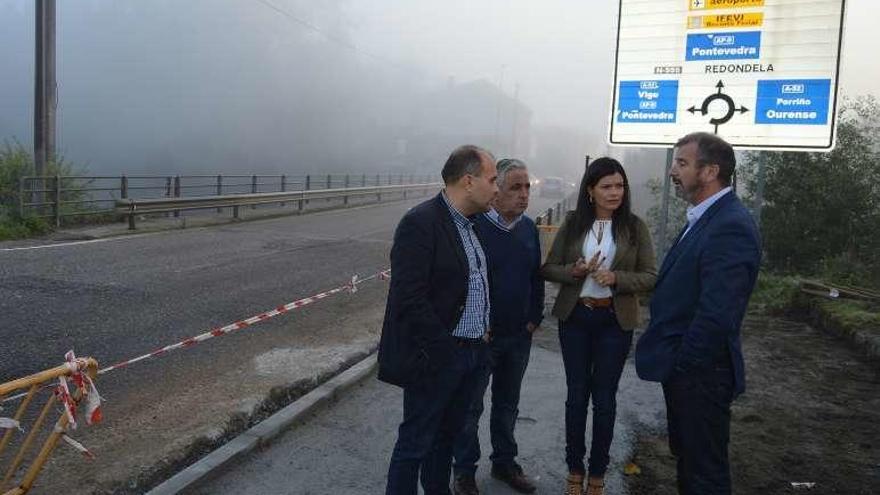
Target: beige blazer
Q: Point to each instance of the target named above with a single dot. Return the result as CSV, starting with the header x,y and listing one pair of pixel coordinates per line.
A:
x,y
634,267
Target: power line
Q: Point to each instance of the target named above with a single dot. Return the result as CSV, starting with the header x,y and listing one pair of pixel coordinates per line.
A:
x,y
347,44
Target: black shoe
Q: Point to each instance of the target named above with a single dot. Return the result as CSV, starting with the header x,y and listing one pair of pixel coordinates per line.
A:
x,y
465,484
513,475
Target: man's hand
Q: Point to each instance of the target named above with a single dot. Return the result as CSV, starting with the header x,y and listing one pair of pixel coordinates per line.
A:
x,y
531,327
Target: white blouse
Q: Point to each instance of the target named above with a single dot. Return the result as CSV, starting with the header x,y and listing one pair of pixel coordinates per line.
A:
x,y
598,238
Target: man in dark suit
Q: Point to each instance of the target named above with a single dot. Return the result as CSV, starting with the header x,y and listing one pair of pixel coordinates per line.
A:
x,y
692,345
436,321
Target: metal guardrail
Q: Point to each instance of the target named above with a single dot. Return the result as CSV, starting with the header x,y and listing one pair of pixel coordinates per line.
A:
x,y
557,212
58,197
134,207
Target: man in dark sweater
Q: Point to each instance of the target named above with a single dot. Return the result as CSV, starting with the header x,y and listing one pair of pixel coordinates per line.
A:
x,y
510,240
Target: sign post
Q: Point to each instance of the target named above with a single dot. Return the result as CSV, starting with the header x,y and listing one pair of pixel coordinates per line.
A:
x,y
762,75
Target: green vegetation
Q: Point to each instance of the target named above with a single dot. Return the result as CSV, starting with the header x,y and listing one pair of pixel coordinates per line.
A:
x,y
17,162
775,294
852,314
821,214
27,227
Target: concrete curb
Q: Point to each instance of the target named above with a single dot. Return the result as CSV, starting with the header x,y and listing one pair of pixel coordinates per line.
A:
x,y
818,312
266,430
865,340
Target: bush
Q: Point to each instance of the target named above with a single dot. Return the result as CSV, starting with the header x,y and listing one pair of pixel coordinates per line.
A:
x,y
775,293
17,162
27,227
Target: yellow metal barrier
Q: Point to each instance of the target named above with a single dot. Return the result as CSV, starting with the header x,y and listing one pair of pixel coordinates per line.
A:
x,y
33,384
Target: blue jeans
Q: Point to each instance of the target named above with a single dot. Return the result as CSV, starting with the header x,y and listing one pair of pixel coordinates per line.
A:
x,y
434,409
594,349
508,359
698,416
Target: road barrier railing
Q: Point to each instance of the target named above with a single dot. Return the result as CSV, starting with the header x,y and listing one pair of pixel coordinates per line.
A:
x,y
545,222
554,215
18,430
74,198
134,207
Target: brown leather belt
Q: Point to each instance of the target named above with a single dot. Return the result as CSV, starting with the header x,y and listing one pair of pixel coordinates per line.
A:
x,y
592,302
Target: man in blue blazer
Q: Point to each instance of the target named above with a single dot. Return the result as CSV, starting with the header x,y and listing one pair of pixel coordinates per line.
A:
x,y
434,336
692,344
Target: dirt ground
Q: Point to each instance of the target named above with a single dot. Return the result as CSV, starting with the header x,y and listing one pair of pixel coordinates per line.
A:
x,y
811,413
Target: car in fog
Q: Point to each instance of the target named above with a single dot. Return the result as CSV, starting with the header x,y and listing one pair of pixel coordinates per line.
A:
x,y
552,187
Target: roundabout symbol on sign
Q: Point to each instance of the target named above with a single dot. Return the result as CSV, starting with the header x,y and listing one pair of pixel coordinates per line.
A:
x,y
728,101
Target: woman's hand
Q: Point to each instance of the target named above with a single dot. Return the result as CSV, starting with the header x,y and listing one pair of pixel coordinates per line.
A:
x,y
595,262
605,278
582,268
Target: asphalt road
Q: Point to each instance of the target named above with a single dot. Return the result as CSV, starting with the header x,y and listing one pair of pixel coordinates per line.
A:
x,y
121,297
320,457
124,296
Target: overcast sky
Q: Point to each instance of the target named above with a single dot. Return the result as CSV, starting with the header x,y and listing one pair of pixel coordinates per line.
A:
x,y
559,51
251,82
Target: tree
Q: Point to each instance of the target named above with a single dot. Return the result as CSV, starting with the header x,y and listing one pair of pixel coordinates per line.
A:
x,y
822,210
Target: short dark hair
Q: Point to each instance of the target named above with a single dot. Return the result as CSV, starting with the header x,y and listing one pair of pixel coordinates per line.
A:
x,y
464,160
711,149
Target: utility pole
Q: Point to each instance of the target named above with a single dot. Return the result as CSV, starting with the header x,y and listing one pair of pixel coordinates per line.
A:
x,y
45,90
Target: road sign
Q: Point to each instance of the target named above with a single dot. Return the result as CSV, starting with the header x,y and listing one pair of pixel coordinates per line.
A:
x,y
761,74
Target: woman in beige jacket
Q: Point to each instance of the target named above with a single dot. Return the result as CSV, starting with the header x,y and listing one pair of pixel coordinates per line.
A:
x,y
602,258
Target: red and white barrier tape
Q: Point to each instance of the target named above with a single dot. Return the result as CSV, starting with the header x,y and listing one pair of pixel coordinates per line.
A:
x,y
82,449
87,388
10,424
351,287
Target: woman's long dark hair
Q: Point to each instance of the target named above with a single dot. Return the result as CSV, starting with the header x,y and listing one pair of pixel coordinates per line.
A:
x,y
585,212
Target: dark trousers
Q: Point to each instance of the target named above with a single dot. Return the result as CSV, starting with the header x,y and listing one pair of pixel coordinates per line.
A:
x,y
594,349
433,413
508,359
698,416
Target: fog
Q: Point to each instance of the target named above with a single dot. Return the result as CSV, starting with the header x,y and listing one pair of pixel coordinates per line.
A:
x,y
290,86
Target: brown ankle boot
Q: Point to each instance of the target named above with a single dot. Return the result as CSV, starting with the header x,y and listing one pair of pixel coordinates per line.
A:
x,y
574,484
595,486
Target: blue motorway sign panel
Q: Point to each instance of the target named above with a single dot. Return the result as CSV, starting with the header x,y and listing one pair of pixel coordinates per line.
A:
x,y
724,46
648,101
793,101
